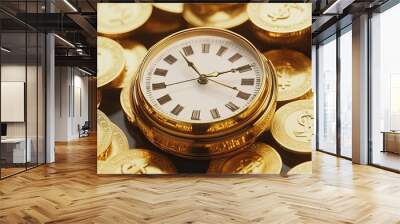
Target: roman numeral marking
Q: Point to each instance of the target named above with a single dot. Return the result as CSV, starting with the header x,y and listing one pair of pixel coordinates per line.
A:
x,y
205,48
164,99
195,115
247,82
170,59
160,72
243,95
188,50
221,50
244,68
235,57
157,86
231,106
177,109
214,113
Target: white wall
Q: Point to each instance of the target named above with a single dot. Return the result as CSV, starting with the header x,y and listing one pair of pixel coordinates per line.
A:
x,y
71,93
61,103
80,110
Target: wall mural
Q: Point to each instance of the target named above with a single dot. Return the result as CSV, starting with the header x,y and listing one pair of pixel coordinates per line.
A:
x,y
204,88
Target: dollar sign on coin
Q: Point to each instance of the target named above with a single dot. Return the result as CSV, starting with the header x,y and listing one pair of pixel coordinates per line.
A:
x,y
305,130
249,165
280,13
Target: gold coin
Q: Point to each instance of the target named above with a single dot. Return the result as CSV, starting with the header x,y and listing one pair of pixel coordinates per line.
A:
x,y
259,158
163,21
280,22
138,161
215,15
134,53
169,7
293,70
99,96
293,126
302,168
104,133
110,60
119,143
116,19
126,104
158,25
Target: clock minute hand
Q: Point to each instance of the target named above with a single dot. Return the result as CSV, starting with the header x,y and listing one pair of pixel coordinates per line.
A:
x,y
174,83
190,64
222,84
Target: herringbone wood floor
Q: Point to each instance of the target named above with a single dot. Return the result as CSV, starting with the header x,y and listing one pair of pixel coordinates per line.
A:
x,y
69,191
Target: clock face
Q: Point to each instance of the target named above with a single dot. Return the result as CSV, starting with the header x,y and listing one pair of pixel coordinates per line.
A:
x,y
202,78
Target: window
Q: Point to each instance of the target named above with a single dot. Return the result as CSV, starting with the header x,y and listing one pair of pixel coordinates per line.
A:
x,y
346,92
385,89
327,96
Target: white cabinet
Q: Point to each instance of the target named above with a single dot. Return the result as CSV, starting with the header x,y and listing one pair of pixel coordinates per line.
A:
x,y
16,146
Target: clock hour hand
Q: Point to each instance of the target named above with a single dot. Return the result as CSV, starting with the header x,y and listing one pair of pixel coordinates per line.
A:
x,y
190,64
216,74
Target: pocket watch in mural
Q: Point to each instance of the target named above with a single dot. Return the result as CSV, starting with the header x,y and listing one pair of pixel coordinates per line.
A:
x,y
203,93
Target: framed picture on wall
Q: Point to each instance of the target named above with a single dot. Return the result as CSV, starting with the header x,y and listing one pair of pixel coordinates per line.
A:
x,y
12,101
204,88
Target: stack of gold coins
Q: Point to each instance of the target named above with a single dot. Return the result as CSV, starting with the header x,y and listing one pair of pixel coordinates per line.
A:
x,y
104,135
119,56
115,157
281,23
118,61
137,161
293,70
109,147
134,52
302,168
166,17
125,100
259,158
118,20
215,15
293,125
110,61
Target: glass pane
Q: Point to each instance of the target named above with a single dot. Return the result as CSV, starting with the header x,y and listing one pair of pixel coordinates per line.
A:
x,y
327,96
41,99
31,98
31,88
346,94
385,84
13,87
314,88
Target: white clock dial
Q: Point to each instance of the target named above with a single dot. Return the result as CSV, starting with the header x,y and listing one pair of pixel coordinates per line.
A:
x,y
202,79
